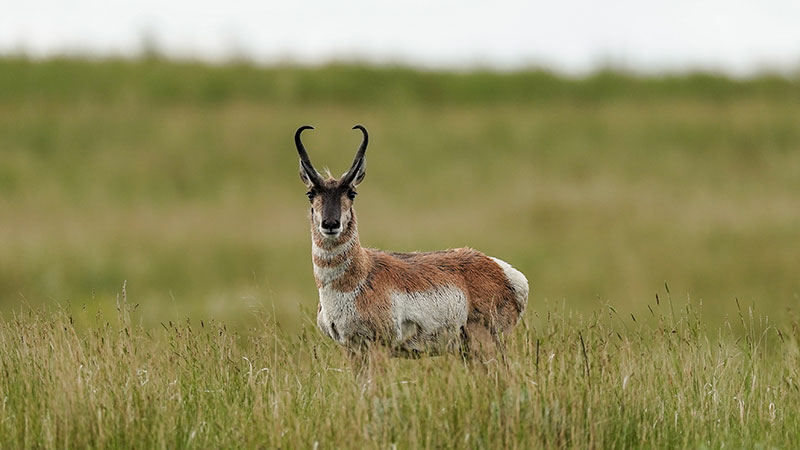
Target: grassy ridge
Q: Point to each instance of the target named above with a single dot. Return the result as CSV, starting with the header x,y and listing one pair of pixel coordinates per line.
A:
x,y
158,81
657,380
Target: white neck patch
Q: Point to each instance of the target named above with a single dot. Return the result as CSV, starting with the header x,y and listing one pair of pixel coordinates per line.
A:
x,y
327,275
340,249
337,316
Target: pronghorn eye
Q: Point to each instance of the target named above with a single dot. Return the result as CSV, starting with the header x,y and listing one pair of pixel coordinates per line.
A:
x,y
351,194
310,195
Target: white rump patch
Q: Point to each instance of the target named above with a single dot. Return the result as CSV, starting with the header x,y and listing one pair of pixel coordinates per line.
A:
x,y
428,318
517,281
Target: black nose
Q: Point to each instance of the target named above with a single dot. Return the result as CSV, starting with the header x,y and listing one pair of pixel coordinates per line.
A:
x,y
330,224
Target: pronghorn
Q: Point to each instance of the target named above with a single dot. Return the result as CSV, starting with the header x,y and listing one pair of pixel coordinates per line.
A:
x,y
411,303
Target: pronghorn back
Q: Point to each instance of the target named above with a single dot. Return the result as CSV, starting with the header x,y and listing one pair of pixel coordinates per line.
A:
x,y
413,303
492,296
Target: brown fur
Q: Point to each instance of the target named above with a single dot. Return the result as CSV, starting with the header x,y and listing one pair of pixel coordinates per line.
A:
x,y
491,301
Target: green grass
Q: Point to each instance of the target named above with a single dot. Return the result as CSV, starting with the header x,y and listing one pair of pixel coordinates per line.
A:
x,y
660,379
598,189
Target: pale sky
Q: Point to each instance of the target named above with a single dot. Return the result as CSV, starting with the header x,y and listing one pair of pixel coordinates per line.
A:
x,y
572,36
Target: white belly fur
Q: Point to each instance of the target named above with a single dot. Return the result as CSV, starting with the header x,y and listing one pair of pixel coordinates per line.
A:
x,y
429,320
423,321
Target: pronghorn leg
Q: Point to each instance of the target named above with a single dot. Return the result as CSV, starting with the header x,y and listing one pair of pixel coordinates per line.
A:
x,y
377,356
479,343
500,345
358,360
368,359
495,329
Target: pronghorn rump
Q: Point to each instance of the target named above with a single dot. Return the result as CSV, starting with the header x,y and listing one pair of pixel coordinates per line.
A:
x,y
412,302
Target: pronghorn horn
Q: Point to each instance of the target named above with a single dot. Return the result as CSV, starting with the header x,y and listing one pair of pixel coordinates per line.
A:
x,y
358,162
305,162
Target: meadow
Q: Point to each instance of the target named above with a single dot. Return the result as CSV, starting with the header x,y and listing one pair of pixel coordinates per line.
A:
x,y
664,380
180,180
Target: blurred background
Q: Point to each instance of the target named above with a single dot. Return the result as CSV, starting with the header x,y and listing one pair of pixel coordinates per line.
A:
x,y
602,149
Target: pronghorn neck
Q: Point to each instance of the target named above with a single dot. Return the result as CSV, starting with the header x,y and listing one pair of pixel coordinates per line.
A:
x,y
339,263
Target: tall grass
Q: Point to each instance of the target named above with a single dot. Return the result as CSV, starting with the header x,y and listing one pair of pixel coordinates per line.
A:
x,y
659,379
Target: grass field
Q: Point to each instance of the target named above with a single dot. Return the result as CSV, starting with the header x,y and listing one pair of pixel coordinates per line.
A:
x,y
663,381
182,179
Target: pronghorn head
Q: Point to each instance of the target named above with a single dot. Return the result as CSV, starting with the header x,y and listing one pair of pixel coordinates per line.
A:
x,y
331,199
